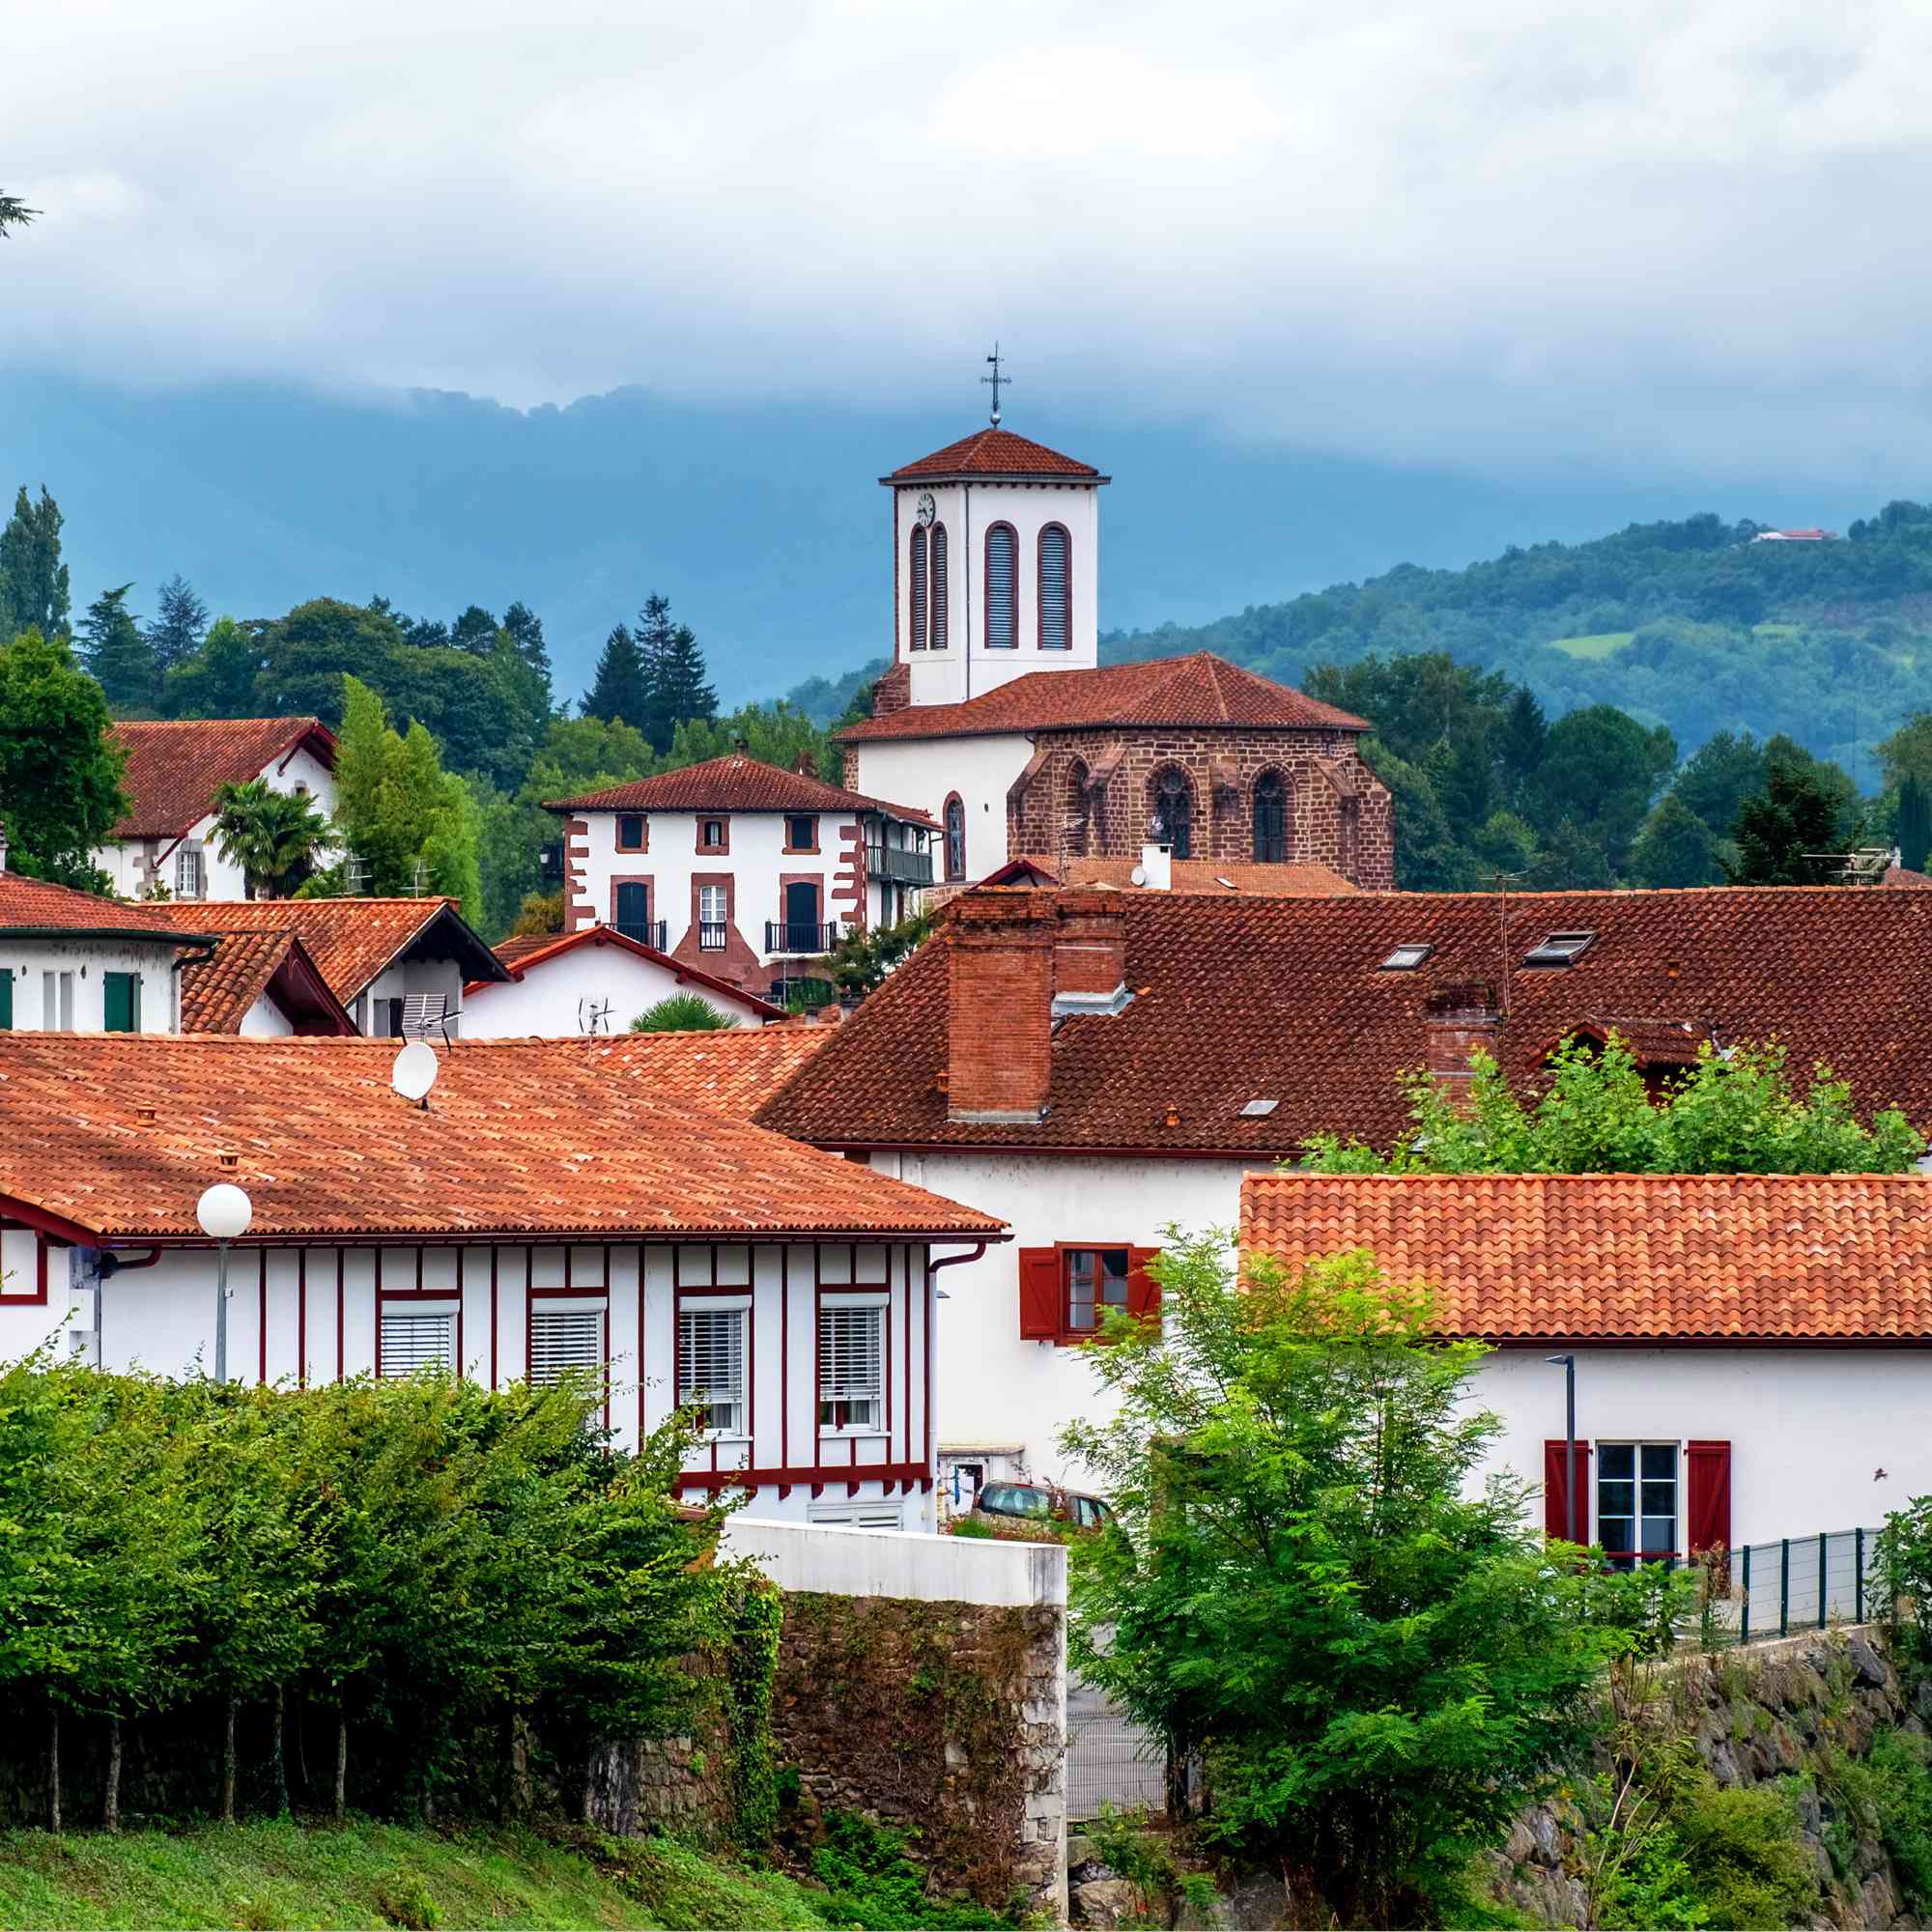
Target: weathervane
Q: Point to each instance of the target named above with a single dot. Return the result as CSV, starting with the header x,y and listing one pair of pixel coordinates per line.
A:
x,y
996,379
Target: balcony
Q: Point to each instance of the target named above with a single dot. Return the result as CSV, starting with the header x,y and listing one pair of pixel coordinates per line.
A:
x,y
900,864
790,938
712,935
646,932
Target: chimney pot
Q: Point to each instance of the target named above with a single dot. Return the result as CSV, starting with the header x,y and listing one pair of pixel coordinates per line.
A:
x,y
807,765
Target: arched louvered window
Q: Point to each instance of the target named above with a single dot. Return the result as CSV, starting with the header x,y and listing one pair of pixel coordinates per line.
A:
x,y
956,837
1270,818
918,583
1003,588
1078,809
1056,589
939,586
1173,816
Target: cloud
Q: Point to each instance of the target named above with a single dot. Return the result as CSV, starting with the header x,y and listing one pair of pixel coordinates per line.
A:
x,y
1488,232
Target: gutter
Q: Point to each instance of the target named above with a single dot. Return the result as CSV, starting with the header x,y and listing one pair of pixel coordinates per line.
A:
x,y
147,933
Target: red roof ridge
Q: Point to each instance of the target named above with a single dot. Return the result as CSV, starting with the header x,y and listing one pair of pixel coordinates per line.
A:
x,y
600,934
994,451
745,785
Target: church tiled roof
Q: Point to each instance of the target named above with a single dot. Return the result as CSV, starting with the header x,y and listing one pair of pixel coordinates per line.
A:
x,y
1198,691
990,453
174,766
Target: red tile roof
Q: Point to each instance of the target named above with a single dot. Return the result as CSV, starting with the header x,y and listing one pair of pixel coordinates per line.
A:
x,y
520,955
1199,691
1902,876
733,782
116,1135
352,939
993,452
1244,999
1625,1257
29,906
217,994
1217,878
175,767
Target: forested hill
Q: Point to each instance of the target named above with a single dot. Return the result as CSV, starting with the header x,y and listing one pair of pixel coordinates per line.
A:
x,y
1686,624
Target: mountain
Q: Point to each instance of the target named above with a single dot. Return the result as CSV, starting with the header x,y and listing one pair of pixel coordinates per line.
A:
x,y
761,520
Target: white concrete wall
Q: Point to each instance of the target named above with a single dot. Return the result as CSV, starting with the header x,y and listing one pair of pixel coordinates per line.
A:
x,y
924,772
547,1003
924,1569
443,978
88,963
266,1020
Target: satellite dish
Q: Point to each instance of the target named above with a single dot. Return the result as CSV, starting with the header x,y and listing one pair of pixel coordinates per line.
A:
x,y
416,1070
1138,876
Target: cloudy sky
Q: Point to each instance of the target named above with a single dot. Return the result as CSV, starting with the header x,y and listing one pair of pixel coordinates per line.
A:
x,y
1490,233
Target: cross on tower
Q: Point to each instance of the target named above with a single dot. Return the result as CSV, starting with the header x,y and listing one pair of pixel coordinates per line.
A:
x,y
996,379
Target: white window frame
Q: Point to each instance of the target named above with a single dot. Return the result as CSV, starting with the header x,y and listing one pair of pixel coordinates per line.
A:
x,y
190,855
1679,1475
543,1305
387,1311
877,1302
739,1306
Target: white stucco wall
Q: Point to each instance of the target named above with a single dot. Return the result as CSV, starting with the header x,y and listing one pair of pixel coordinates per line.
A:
x,y
924,772
440,977
550,998
266,1020
88,963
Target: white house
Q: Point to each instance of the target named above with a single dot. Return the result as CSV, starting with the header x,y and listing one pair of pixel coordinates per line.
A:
x,y
175,767
595,980
555,1205
1092,1066
740,868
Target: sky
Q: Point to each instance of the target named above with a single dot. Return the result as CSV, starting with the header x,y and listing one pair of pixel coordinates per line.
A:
x,y
1513,238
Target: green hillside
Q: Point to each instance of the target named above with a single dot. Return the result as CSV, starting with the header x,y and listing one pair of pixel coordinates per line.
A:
x,y
1690,625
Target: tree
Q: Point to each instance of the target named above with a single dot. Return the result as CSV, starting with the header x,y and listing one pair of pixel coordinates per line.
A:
x,y
617,690
675,690
1915,824
1907,753
1724,771
1788,834
1593,1113
14,212
775,733
179,626
525,629
474,631
60,772
117,655
861,961
33,579
682,1013
219,679
275,836
1676,848
1374,1656
1603,769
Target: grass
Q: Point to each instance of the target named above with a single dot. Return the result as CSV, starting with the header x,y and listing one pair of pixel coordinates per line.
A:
x,y
273,1875
1604,644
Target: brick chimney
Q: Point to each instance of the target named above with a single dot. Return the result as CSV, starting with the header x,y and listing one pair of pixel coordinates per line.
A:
x,y
1457,1022
999,1007
1090,952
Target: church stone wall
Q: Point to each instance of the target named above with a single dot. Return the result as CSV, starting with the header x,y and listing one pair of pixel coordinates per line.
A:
x,y
1338,813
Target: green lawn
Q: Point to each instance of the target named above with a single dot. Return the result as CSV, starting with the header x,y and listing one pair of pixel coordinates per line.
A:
x,y
1604,644
270,1876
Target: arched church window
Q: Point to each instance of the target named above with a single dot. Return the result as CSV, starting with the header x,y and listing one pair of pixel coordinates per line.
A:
x,y
1003,588
1173,818
956,837
1056,589
938,587
1077,809
1270,818
918,584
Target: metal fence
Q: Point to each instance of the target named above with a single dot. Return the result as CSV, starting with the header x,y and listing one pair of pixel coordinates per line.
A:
x,y
1110,1759
1798,1583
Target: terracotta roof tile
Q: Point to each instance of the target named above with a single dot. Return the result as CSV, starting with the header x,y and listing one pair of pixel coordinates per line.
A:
x,y
993,452
1199,691
176,766
33,905
1631,1258
1285,999
1217,878
217,994
538,949
733,782
118,1134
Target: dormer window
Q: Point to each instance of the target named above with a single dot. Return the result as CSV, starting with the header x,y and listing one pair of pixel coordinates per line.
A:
x,y
1561,949
1407,957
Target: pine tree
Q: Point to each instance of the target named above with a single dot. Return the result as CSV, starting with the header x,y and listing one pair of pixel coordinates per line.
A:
x,y
676,690
474,631
218,681
1777,829
1915,825
1675,848
117,655
177,631
525,631
618,690
33,579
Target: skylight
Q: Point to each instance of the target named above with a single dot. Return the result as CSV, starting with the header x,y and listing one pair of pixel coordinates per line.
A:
x,y
1561,949
1407,957
1259,1110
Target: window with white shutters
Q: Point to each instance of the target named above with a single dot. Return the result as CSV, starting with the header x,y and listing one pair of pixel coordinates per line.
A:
x,y
414,1340
919,589
1003,572
562,1339
1056,589
939,586
711,1365
851,1368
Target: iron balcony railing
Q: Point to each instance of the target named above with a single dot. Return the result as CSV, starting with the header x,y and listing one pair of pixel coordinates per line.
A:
x,y
794,937
899,865
711,933
645,931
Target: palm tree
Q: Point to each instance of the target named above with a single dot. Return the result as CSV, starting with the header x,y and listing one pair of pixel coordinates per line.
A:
x,y
682,1013
275,836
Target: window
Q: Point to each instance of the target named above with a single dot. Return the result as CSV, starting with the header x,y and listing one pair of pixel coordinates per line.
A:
x,y
633,904
1066,1290
629,831
1173,816
1003,588
56,1001
1096,1280
1636,1501
1270,818
714,917
1559,949
956,837
191,873
412,1339
711,1365
565,1339
711,835
915,585
1407,957
851,1368
939,586
1078,807
801,833
121,1003
1056,589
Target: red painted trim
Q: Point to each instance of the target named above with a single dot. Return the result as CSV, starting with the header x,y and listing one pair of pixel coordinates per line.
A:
x,y
61,1228
341,1319
494,1252
905,1271
818,1475
642,1416
932,1340
785,1356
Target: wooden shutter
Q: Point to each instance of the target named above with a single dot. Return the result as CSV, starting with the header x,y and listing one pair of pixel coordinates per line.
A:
x,y
1040,1295
938,587
1143,1291
119,1012
1709,1519
413,1341
1556,1516
565,1338
6,999
1055,596
919,589
1002,588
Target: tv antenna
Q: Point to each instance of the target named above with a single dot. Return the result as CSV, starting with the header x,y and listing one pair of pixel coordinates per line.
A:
x,y
593,1015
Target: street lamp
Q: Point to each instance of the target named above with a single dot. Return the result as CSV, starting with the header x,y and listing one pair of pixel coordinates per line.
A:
x,y
1568,1364
225,1212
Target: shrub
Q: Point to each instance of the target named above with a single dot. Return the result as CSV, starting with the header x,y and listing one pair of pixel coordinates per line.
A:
x,y
404,1899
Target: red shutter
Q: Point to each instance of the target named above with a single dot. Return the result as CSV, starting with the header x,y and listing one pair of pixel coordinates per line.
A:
x,y
1143,1291
1555,1491
1040,1295
1709,1514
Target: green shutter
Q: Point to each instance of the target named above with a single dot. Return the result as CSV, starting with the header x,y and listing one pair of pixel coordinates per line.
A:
x,y
122,1002
6,999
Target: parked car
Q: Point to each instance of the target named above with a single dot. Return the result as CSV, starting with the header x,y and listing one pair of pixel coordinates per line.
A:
x,y
1040,1503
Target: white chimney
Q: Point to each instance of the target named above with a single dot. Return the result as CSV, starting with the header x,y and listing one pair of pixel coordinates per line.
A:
x,y
1157,869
